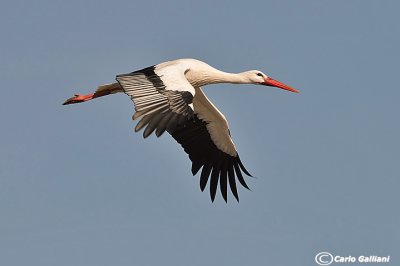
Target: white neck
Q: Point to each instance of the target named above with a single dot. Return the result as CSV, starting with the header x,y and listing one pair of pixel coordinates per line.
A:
x,y
204,76
224,77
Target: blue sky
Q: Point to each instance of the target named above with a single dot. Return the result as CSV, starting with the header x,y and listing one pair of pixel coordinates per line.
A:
x,y
78,187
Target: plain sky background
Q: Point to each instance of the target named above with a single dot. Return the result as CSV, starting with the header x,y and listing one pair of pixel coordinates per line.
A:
x,y
78,187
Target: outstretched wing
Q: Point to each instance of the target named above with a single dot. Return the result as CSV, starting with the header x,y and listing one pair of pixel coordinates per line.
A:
x,y
162,97
207,141
166,101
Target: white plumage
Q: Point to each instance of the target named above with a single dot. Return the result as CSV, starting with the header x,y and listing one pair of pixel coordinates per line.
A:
x,y
168,97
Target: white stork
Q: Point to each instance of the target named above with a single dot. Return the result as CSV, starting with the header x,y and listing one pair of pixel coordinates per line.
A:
x,y
168,97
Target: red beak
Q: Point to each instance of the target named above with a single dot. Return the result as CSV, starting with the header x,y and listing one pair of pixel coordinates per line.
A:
x,y
274,83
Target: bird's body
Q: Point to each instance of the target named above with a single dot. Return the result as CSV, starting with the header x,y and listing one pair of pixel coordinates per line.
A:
x,y
168,97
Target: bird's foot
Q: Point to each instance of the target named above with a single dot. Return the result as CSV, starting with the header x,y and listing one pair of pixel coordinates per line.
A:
x,y
78,98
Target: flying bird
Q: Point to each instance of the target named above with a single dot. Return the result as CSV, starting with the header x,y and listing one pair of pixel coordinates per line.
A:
x,y
168,97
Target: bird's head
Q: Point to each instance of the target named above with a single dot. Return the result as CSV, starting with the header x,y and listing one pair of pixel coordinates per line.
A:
x,y
259,78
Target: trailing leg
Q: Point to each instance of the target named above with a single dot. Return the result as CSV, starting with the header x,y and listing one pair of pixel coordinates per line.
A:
x,y
102,90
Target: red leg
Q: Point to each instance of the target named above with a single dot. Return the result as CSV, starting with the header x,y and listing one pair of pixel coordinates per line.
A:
x,y
79,99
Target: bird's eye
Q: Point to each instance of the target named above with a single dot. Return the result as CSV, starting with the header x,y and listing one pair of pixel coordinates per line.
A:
x,y
260,74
